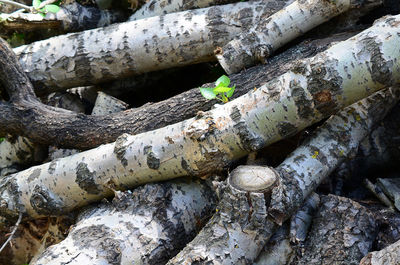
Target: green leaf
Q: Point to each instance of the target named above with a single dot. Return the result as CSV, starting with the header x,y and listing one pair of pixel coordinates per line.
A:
x,y
221,89
230,92
208,92
52,8
42,14
1,139
223,81
36,3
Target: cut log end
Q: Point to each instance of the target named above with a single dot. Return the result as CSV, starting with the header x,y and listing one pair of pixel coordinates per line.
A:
x,y
253,178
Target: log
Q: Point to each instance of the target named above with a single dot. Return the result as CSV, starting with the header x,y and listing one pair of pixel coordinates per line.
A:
x,y
71,17
277,30
72,131
136,47
259,199
146,226
343,231
210,142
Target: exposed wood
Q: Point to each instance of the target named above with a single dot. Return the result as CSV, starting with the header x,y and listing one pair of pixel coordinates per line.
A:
x,y
247,218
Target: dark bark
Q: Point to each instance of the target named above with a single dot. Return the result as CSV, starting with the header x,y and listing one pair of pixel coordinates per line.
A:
x,y
54,126
342,233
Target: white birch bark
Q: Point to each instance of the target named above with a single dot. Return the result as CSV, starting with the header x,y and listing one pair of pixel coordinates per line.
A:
x,y
262,40
106,104
136,47
146,226
161,7
314,89
259,199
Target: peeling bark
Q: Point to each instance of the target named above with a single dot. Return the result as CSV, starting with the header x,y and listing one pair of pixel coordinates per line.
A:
x,y
72,17
73,131
249,213
316,88
343,232
388,255
294,20
146,226
136,47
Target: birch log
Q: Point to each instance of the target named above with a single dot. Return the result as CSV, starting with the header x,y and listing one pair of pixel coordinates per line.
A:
x,y
316,88
137,47
343,232
259,199
161,7
262,40
146,226
71,131
72,17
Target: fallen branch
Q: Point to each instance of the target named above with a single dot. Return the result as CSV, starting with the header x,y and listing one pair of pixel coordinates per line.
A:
x,y
259,199
257,44
72,17
146,226
157,8
12,232
45,126
136,47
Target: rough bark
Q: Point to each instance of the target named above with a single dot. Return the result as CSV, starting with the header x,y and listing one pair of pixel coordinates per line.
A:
x,y
146,226
262,40
388,255
248,213
210,142
343,232
136,47
157,8
72,17
32,238
73,131
279,250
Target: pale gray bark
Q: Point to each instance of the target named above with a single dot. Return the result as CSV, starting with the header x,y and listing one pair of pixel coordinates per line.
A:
x,y
257,44
137,47
314,89
161,7
343,231
388,255
146,226
249,213
106,104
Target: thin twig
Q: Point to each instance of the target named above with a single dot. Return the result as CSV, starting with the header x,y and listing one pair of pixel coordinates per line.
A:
x,y
28,8
12,233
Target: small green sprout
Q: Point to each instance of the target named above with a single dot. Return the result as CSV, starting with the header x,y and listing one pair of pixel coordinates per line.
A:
x,y
47,8
1,139
221,91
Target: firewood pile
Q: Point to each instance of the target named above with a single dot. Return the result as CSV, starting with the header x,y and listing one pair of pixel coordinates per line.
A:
x,y
111,154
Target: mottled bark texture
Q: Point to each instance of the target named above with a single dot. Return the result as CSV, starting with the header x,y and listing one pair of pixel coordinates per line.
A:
x,y
248,213
32,238
314,89
279,250
161,7
136,47
106,104
72,17
146,226
263,39
388,255
43,125
343,231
